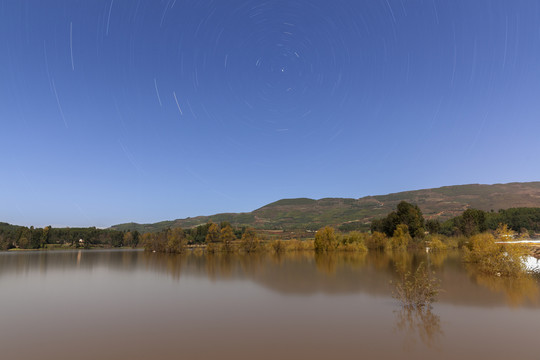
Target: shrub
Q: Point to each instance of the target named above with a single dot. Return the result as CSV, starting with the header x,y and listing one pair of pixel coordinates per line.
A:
x,y
418,289
353,241
278,246
504,233
298,245
376,241
401,237
462,241
493,258
325,239
354,237
435,244
357,246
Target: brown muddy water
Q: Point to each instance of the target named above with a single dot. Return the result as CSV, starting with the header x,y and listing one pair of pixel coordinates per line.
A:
x,y
134,305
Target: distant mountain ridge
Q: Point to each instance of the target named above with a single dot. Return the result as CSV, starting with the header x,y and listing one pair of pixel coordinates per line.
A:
x,y
309,214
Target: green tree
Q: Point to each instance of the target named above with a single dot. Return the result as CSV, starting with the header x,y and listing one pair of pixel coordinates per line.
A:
x,y
128,239
45,236
115,239
4,243
407,214
411,215
25,237
35,238
23,242
198,234
433,226
472,222
136,238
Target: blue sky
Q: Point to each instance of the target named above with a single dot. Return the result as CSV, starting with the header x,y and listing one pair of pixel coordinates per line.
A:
x,y
115,111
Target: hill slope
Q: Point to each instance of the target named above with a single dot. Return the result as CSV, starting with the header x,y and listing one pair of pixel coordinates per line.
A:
x,y
302,213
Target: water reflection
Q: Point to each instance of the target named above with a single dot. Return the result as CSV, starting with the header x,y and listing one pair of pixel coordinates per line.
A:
x,y
416,289
437,259
401,261
517,290
418,324
329,263
299,273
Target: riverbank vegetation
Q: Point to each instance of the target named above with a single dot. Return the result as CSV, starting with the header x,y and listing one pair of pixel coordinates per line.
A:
x,y
521,222
404,229
21,237
495,258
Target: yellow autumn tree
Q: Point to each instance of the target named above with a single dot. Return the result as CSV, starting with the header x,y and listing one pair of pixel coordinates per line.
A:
x,y
227,237
325,239
250,241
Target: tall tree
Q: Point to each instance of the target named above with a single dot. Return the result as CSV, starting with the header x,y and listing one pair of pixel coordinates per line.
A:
x,y
407,214
472,222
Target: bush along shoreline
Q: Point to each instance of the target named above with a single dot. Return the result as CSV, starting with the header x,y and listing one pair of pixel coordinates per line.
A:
x,y
484,245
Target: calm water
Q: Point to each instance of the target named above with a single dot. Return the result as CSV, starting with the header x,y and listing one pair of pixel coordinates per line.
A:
x,y
135,305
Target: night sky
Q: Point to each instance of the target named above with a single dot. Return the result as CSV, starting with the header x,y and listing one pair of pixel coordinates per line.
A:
x,y
115,111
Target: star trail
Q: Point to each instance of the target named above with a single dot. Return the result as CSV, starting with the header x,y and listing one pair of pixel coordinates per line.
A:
x,y
117,111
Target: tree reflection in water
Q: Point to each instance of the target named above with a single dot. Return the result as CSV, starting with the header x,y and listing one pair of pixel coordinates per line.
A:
x,y
219,266
518,290
328,263
419,323
416,291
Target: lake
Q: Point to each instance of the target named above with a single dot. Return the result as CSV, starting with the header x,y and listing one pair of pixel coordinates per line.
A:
x,y
128,304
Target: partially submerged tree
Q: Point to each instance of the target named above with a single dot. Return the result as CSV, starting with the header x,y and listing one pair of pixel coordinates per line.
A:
x,y
493,258
418,289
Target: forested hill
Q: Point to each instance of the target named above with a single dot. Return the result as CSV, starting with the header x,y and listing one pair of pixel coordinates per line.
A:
x,y
308,214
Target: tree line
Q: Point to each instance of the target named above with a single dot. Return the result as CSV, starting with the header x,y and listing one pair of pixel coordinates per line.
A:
x,y
524,221
22,237
406,225
217,238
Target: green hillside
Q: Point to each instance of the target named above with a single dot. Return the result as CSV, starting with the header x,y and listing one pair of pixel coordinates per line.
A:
x,y
309,214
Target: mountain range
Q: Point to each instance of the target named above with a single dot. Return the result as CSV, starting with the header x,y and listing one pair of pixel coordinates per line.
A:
x,y
303,214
